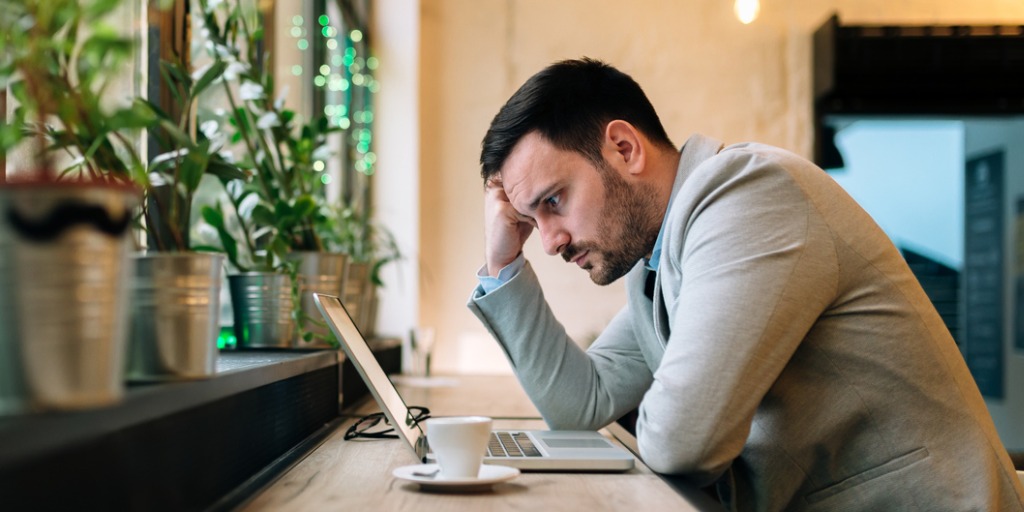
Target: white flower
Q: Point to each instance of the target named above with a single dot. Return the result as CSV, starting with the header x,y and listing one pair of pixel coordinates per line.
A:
x,y
206,234
268,120
210,128
223,52
234,188
250,91
246,206
177,154
322,153
156,180
279,102
234,69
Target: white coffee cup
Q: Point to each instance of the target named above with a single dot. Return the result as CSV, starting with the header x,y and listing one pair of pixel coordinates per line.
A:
x,y
459,444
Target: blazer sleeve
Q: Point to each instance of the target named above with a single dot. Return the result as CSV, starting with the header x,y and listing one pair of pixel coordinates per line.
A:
x,y
573,389
747,270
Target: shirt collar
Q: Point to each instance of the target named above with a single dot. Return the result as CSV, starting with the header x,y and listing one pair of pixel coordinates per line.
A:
x,y
700,148
652,263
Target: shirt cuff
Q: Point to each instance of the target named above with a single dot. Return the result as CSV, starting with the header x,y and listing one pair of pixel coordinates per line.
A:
x,y
489,283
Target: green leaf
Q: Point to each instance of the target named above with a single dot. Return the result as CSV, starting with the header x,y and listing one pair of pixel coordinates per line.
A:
x,y
263,216
178,136
214,216
224,170
304,207
278,248
194,166
214,72
283,213
97,9
170,74
138,115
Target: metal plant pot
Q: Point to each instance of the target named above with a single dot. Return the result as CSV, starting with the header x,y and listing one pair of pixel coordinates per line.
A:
x,y
318,272
175,316
63,294
358,289
262,307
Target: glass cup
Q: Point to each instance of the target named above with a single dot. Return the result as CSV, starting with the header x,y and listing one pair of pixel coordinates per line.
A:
x,y
422,345
459,444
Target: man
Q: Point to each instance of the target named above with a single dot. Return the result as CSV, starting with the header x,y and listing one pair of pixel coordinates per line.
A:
x,y
774,340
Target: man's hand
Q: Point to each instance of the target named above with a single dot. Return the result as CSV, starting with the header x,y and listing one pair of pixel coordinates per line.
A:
x,y
505,229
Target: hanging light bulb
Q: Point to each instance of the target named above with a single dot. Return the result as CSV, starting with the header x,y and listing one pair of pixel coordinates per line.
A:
x,y
747,10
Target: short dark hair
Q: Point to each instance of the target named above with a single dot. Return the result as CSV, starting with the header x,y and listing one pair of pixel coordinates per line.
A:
x,y
569,103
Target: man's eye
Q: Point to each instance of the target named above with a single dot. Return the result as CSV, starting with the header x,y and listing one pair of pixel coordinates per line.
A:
x,y
553,201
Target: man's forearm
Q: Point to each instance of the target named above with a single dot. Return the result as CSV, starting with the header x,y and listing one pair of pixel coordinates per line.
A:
x,y
571,389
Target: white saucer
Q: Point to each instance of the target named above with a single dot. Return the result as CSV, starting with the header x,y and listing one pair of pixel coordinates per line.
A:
x,y
430,480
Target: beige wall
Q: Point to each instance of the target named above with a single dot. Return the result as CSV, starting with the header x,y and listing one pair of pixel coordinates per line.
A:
x,y
702,69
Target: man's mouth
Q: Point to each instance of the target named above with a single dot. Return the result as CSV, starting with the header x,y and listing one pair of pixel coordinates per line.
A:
x,y
580,259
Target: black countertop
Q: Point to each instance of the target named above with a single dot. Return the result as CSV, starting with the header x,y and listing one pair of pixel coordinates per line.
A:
x,y
32,435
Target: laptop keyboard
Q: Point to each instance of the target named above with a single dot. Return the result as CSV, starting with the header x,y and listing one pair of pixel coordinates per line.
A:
x,y
511,444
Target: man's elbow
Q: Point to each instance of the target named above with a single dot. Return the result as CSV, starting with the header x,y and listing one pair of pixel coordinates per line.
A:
x,y
688,459
668,460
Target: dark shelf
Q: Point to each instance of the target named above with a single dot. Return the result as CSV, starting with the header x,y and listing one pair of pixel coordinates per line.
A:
x,y
204,444
182,445
30,436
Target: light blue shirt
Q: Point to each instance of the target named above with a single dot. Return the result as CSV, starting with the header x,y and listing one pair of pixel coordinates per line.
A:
x,y
489,283
652,263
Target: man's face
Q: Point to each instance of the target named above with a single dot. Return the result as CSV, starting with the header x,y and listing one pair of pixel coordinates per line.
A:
x,y
591,216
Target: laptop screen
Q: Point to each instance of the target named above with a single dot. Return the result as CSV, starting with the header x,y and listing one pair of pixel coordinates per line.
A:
x,y
355,347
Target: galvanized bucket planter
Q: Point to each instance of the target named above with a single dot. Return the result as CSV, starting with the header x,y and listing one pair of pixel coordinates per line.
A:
x,y
64,279
318,272
262,307
175,316
358,297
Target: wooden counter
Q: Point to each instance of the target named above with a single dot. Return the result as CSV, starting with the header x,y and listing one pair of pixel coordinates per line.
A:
x,y
356,475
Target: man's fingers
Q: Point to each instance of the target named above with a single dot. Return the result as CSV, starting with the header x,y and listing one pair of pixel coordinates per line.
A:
x,y
493,182
497,192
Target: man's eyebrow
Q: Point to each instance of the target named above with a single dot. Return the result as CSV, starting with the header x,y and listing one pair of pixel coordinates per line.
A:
x,y
544,194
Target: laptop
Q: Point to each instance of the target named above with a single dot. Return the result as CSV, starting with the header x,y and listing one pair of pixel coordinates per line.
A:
x,y
536,450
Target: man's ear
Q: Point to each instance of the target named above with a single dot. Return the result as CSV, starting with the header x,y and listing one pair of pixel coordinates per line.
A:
x,y
623,147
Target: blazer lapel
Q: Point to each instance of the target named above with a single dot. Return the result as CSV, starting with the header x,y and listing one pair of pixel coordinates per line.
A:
x,y
696,150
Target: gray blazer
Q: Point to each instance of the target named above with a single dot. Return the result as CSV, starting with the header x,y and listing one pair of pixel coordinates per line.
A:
x,y
789,354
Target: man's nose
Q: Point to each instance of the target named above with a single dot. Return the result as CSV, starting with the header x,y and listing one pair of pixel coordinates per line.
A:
x,y
553,237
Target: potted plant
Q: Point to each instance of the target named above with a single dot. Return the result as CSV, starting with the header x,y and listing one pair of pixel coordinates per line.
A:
x,y
65,219
176,297
278,215
370,247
